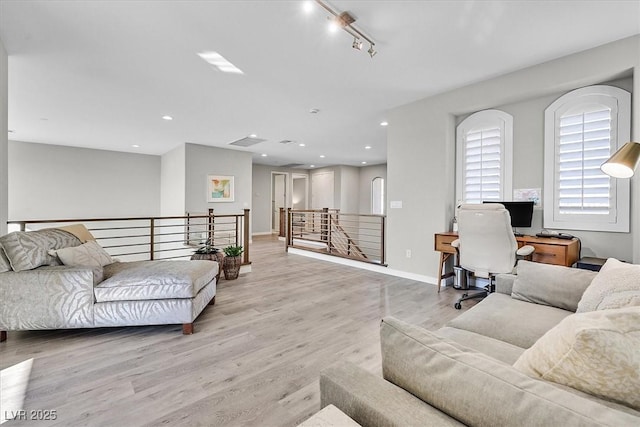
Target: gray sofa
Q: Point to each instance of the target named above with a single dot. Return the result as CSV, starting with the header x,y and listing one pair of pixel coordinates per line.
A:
x,y
462,374
36,292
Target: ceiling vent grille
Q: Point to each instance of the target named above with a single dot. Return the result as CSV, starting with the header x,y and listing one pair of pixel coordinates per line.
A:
x,y
286,141
292,165
247,142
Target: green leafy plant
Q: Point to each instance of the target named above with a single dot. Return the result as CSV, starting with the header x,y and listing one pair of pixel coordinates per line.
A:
x,y
233,251
207,248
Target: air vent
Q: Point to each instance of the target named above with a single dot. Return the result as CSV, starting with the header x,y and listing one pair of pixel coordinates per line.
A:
x,y
292,165
247,142
286,141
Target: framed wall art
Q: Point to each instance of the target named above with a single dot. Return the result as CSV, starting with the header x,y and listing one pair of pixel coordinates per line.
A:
x,y
219,188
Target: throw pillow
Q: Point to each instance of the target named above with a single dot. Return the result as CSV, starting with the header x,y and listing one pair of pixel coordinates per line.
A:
x,y
5,265
596,352
89,254
552,285
616,285
27,250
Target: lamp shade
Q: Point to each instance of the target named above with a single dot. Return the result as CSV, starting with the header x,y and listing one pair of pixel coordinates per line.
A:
x,y
623,162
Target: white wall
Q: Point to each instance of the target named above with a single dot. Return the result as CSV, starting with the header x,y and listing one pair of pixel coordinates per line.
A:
x,y
172,182
4,143
421,147
202,160
366,176
55,182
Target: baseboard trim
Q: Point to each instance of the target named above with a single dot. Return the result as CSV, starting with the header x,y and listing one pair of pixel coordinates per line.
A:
x,y
262,233
365,266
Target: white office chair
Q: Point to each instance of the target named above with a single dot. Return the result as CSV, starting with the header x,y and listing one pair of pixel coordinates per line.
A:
x,y
486,244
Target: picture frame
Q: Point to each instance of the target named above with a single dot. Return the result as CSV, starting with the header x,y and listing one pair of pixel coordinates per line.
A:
x,y
220,188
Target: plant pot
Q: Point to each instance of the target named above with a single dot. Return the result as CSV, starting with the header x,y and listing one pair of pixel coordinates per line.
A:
x,y
232,267
216,256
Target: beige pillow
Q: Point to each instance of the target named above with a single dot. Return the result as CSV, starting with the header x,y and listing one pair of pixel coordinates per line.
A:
x,y
596,352
89,254
617,285
5,265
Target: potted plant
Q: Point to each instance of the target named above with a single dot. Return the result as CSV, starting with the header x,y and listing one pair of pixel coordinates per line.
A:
x,y
210,253
232,261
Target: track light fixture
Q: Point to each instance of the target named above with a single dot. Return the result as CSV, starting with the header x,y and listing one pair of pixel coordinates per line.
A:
x,y
345,21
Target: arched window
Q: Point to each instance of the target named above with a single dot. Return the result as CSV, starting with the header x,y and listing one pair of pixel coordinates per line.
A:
x,y
377,196
582,129
484,151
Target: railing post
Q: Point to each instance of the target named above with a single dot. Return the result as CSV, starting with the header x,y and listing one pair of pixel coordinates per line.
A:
x,y
188,239
382,242
323,224
152,232
246,237
23,226
289,236
210,228
281,227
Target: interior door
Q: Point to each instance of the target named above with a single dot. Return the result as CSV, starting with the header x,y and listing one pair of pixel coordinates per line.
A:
x,y
278,199
322,190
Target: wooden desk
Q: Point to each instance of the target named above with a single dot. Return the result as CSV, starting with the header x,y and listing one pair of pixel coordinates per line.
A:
x,y
548,250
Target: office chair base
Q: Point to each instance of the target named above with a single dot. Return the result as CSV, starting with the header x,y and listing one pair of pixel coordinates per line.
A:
x,y
484,292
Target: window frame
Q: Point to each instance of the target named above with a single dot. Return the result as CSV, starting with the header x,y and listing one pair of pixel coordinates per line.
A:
x,y
480,119
619,100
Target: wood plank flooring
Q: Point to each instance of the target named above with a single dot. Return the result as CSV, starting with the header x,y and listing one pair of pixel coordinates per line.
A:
x,y
254,359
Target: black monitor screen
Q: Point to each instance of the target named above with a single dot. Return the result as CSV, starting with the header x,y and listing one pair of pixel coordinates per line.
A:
x,y
521,212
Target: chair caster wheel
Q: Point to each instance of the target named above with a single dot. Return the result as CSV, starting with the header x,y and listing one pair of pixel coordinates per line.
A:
x,y
457,305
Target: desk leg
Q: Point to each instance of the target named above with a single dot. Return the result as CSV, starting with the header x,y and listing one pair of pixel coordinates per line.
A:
x,y
443,258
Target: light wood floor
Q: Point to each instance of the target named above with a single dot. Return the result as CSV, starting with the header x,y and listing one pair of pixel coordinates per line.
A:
x,y
254,359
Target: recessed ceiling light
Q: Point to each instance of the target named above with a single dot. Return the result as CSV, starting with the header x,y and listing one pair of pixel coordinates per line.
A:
x,y
333,26
218,61
384,123
135,146
312,166
322,156
307,6
167,118
263,155
301,145
253,135
364,163
368,147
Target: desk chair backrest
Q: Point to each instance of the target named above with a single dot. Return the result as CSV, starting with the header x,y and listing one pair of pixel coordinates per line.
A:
x,y
487,243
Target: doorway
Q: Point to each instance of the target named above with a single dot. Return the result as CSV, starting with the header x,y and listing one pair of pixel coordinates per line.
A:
x,y
278,197
299,191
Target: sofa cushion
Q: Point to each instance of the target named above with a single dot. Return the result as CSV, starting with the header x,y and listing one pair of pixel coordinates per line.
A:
x,y
504,352
27,250
552,285
148,280
479,390
617,285
88,254
510,320
5,265
596,352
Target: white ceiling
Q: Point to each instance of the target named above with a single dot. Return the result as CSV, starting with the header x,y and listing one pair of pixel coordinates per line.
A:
x,y
101,74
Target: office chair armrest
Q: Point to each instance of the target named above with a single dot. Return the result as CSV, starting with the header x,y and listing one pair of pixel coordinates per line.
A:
x,y
526,250
456,243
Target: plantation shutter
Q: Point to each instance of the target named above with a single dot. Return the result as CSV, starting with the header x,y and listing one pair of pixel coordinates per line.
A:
x,y
482,165
584,143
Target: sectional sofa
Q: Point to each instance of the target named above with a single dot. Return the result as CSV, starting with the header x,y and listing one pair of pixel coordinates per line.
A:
x,y
520,357
57,279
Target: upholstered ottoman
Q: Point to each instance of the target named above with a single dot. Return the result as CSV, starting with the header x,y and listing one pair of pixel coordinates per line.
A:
x,y
154,293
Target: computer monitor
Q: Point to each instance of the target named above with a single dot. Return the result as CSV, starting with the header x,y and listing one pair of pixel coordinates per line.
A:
x,y
521,212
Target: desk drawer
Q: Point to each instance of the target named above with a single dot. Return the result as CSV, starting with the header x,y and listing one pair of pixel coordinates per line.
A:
x,y
443,243
549,254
